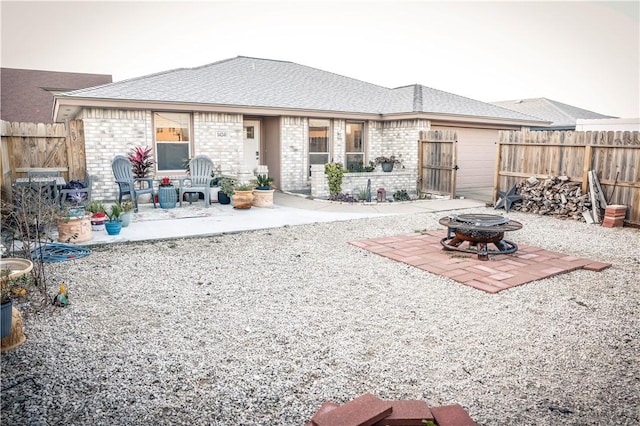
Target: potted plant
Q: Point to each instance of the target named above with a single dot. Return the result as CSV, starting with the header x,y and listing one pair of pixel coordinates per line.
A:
x,y
167,194
263,194
74,226
127,212
98,215
12,274
242,195
114,225
226,190
141,165
387,163
214,188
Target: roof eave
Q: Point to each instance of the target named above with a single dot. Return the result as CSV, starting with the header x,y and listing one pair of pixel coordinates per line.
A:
x,y
466,119
68,108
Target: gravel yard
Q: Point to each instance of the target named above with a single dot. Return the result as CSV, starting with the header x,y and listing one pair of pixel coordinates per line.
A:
x,y
260,328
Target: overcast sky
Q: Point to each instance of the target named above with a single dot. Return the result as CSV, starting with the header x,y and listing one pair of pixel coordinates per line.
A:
x,y
586,54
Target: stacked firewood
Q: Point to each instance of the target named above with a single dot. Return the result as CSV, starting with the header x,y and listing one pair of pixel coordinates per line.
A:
x,y
556,195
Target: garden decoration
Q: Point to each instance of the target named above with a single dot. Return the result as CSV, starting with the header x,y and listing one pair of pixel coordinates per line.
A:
x,y
167,195
62,298
505,199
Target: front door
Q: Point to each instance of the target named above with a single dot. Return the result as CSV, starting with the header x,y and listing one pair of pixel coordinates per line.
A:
x,y
251,156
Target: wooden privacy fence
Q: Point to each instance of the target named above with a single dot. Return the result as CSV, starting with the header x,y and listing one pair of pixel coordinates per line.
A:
x,y
38,145
615,157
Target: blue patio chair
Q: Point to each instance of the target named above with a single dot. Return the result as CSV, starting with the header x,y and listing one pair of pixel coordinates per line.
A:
x,y
200,170
127,184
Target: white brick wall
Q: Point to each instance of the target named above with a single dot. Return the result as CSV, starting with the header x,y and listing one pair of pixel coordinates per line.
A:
x,y
294,166
220,136
109,132
353,182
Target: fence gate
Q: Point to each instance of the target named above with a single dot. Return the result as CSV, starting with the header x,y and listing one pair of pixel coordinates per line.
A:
x,y
438,162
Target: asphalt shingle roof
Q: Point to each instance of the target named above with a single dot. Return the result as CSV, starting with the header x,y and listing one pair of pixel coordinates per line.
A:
x,y
253,82
560,115
26,95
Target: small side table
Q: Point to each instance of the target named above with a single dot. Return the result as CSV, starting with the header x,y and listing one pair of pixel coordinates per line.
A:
x,y
167,196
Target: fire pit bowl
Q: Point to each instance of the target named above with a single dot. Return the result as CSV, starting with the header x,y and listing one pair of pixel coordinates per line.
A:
x,y
479,230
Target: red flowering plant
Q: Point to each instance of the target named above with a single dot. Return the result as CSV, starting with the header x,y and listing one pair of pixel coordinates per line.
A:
x,y
141,162
166,182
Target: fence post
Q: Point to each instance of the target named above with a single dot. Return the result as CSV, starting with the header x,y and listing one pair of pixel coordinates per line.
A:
x,y
496,172
585,169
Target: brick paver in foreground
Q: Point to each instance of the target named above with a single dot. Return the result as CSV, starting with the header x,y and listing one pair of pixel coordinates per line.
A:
x,y
501,272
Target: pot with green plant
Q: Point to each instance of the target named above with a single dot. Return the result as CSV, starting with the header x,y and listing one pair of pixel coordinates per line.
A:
x,y
387,163
214,188
74,226
127,212
226,190
114,224
98,215
263,194
242,196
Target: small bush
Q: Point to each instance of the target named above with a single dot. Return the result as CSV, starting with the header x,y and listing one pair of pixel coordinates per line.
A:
x,y
401,195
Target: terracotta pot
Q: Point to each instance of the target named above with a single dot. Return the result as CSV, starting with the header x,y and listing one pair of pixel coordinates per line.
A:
x,y
75,229
263,198
242,199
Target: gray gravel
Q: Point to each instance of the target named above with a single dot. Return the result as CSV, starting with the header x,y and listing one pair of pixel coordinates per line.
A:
x,y
259,328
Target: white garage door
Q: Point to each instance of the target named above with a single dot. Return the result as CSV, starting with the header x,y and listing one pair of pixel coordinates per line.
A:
x,y
476,157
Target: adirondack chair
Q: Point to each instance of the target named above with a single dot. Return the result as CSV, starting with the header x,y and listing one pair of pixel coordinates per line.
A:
x,y
123,173
200,169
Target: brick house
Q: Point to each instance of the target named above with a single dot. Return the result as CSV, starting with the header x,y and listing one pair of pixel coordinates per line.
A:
x,y
245,112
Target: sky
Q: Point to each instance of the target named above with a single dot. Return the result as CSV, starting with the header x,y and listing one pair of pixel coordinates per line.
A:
x,y
585,54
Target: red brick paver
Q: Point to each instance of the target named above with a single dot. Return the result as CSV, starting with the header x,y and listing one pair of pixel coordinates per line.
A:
x,y
501,272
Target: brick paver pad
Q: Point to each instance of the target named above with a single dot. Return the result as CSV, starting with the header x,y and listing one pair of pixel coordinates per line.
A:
x,y
501,272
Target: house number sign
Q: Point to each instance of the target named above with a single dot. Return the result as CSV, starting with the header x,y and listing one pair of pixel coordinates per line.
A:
x,y
222,134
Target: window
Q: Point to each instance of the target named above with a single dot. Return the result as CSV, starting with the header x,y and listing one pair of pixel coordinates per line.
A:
x,y
319,131
173,140
355,145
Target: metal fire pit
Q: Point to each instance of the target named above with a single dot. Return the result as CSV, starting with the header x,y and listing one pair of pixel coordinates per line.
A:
x,y
479,230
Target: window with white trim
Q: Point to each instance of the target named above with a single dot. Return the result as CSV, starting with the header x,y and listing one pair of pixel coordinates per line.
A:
x,y
319,131
172,140
354,136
